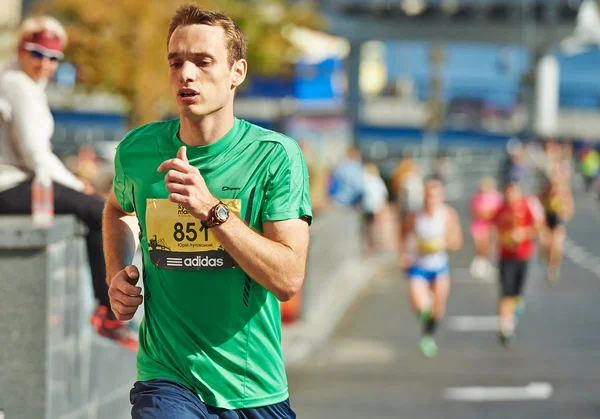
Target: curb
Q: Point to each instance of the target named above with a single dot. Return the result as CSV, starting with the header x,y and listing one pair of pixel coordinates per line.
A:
x,y
303,337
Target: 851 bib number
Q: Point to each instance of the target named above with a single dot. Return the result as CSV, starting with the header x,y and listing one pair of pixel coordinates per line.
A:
x,y
177,240
190,233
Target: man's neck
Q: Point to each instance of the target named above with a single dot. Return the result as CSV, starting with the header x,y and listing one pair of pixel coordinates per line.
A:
x,y
208,130
430,209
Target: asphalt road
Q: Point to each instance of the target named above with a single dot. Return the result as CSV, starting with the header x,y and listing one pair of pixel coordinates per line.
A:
x,y
372,368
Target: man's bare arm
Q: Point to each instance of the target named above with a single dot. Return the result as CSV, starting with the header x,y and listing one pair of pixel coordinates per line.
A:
x,y
120,232
454,236
276,259
407,241
569,205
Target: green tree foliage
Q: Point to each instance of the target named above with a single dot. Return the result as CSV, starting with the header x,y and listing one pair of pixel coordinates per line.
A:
x,y
120,45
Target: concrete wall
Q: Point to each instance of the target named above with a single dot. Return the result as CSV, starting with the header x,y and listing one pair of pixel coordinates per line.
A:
x,y
52,366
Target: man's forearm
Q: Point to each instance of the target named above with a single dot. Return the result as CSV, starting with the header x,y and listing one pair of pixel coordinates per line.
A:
x,y
454,238
273,265
120,238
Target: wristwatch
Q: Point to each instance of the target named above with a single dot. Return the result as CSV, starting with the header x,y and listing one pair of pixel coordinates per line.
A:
x,y
217,215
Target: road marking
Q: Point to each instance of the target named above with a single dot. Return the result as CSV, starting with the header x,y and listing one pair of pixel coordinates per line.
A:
x,y
473,323
533,391
580,256
463,276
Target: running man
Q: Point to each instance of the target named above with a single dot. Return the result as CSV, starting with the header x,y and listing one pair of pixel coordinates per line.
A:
x,y
484,206
557,199
223,211
407,185
517,226
430,234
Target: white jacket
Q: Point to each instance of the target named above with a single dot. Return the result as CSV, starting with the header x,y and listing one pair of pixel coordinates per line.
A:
x,y
26,127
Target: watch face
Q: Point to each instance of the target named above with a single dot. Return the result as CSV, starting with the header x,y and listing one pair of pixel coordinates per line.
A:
x,y
222,212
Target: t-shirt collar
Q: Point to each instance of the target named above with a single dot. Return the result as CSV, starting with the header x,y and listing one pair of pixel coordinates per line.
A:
x,y
209,150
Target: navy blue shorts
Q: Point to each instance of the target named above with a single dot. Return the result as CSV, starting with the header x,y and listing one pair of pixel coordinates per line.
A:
x,y
163,399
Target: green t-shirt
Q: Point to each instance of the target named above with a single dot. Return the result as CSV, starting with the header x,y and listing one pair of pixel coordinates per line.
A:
x,y
207,325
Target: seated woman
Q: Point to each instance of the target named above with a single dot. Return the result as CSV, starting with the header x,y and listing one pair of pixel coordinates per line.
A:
x,y
25,151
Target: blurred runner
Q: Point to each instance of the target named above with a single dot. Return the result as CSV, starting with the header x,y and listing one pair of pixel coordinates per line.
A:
x,y
596,187
589,161
484,206
374,200
515,165
557,199
430,234
346,185
442,168
407,184
566,162
517,226
26,130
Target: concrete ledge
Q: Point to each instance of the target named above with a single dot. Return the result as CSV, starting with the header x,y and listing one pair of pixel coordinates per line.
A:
x,y
17,231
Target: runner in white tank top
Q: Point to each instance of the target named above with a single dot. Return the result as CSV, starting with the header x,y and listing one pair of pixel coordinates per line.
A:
x,y
430,234
431,257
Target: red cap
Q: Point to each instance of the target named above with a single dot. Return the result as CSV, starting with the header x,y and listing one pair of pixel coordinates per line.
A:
x,y
46,42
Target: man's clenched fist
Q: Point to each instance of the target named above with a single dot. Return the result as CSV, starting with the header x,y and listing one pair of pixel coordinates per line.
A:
x,y
125,297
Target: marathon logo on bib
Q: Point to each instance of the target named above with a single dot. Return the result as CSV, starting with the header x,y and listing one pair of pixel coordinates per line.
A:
x,y
177,240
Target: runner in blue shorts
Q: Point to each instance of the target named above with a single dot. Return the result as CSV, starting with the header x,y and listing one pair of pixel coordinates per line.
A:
x,y
430,234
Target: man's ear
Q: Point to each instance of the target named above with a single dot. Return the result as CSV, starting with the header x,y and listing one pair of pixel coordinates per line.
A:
x,y
240,67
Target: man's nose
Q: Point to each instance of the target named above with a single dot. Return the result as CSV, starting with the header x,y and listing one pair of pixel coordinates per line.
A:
x,y
188,72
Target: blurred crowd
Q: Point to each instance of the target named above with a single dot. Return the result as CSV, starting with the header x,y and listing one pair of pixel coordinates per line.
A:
x,y
538,165
527,199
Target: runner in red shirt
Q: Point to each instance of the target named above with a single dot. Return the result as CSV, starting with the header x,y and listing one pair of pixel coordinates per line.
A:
x,y
517,224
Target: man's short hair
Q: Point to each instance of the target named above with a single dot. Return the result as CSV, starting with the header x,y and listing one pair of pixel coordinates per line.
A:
x,y
510,182
434,178
192,14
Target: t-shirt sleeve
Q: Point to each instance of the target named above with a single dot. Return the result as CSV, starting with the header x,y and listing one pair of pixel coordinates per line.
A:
x,y
287,194
122,185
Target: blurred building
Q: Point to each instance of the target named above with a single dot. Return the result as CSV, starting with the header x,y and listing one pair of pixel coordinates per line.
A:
x,y
485,80
376,66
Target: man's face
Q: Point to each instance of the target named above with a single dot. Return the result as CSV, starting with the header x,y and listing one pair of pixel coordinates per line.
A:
x,y
200,76
36,65
434,192
512,193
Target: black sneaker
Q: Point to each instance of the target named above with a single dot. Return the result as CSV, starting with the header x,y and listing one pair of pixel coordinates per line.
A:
x,y
505,338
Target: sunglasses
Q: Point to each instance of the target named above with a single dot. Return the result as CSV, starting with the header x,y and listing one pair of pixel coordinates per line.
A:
x,y
40,56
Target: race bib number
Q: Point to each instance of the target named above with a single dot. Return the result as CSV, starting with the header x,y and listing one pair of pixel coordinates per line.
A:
x,y
177,240
430,246
555,204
